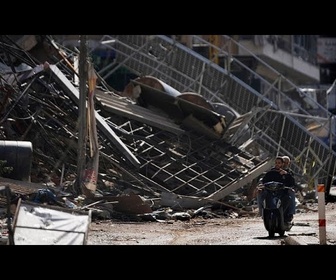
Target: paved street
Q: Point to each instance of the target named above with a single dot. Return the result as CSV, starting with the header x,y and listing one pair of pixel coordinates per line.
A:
x,y
306,229
217,231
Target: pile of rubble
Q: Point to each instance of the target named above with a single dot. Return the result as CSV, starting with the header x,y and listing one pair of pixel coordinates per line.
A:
x,y
161,152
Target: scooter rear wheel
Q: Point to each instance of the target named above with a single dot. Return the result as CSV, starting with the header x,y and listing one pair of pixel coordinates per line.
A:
x,y
281,233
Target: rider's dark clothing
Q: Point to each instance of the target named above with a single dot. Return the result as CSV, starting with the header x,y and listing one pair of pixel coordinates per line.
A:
x,y
289,181
274,175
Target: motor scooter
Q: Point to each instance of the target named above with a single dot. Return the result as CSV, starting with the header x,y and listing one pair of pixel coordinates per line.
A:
x,y
274,205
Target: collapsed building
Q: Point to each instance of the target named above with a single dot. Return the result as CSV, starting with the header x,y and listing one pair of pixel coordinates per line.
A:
x,y
174,149
182,149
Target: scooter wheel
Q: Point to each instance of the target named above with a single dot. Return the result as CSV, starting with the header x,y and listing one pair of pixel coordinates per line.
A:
x,y
281,233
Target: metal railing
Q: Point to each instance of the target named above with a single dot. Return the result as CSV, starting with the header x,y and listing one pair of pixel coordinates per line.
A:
x,y
279,129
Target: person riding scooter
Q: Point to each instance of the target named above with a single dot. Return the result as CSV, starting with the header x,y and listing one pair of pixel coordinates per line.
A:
x,y
278,174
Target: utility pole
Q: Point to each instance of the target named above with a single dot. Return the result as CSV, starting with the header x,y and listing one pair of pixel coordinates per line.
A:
x,y
82,125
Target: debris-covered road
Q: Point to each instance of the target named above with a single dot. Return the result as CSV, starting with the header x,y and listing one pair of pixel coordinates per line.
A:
x,y
214,231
